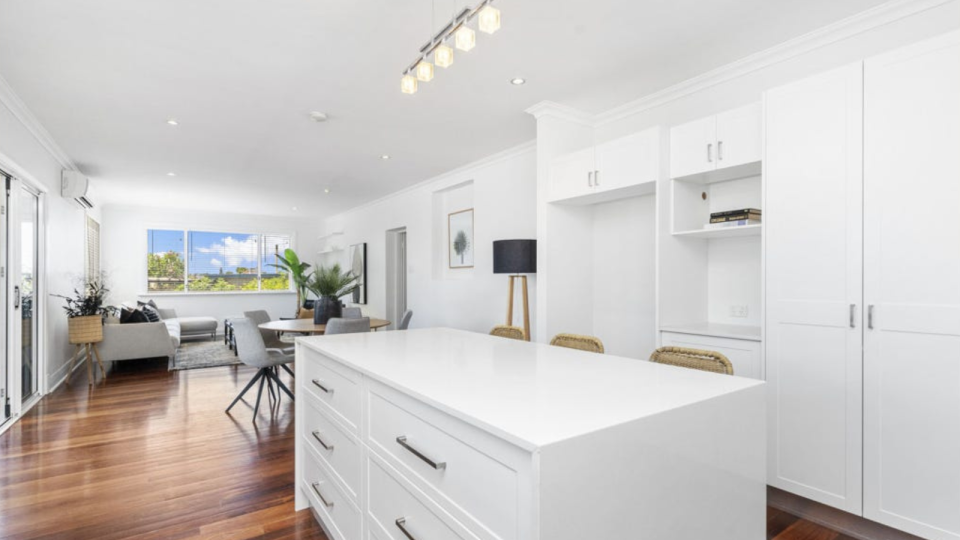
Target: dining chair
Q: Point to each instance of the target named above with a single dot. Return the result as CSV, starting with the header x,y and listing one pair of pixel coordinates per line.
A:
x,y
711,361
347,326
509,332
253,352
352,313
576,341
405,320
270,338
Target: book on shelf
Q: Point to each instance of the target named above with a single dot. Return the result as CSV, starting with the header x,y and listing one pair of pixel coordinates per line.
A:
x,y
736,212
732,224
734,217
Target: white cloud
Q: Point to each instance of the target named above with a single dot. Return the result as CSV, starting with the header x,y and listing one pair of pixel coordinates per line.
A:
x,y
215,262
236,252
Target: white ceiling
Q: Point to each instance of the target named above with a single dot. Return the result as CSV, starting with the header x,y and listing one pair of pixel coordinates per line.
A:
x,y
241,77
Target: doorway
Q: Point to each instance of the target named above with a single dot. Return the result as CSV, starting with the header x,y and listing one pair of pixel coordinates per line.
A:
x,y
396,274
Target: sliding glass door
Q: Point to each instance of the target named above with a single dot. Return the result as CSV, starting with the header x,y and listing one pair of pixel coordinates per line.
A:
x,y
24,298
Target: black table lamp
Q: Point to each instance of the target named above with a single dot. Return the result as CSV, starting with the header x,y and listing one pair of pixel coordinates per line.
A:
x,y
516,257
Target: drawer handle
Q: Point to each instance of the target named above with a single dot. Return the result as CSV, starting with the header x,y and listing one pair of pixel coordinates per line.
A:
x,y
318,384
316,435
402,441
401,522
316,489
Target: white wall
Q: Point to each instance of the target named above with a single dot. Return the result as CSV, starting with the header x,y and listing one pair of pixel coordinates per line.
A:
x,y
124,246
503,191
24,156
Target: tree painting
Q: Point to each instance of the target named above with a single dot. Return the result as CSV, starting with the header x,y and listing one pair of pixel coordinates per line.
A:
x,y
461,244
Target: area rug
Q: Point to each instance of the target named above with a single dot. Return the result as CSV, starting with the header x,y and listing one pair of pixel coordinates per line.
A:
x,y
203,354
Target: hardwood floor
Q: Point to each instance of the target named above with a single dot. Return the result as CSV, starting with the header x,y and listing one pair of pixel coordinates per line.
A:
x,y
150,454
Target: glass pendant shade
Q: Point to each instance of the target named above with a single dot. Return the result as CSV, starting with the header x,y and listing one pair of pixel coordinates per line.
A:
x,y
443,56
425,71
408,84
465,38
489,19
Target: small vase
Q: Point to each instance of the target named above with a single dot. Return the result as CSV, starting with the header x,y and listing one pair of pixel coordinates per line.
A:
x,y
326,308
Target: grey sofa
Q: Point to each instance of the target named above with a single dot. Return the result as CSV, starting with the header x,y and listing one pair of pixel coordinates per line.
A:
x,y
152,339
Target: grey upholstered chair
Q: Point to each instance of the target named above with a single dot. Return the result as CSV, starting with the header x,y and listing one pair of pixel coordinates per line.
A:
x,y
253,352
270,338
405,320
347,326
352,313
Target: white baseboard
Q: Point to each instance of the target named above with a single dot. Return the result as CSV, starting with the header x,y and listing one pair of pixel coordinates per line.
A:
x,y
64,373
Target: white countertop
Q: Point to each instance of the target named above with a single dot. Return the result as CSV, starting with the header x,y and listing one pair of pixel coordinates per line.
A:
x,y
531,394
732,331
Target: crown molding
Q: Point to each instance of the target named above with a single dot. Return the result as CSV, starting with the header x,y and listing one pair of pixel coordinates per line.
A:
x,y
12,101
565,112
845,28
481,163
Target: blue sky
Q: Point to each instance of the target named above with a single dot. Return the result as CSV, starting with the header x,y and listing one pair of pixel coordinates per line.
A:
x,y
211,251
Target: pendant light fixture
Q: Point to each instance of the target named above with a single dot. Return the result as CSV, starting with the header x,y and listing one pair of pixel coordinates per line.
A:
x,y
460,33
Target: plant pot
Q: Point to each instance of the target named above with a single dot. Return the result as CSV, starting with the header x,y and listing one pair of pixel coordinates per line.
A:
x,y
326,308
87,329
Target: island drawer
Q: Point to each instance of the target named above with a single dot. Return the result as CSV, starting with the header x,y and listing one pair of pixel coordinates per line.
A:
x,y
442,456
397,514
337,448
341,517
336,385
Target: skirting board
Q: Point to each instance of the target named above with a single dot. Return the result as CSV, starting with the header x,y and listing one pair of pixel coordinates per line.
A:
x,y
69,367
838,520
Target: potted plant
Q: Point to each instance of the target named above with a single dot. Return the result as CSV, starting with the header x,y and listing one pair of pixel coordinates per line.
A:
x,y
86,311
329,284
291,264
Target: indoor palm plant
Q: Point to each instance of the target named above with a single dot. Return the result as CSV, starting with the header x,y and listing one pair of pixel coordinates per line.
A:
x,y
292,265
329,284
86,311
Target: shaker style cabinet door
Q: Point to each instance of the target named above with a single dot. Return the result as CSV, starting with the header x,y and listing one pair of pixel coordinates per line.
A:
x,y
739,135
628,161
693,147
571,175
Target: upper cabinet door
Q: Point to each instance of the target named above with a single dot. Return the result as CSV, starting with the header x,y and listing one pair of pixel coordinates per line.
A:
x,y
572,175
813,240
628,161
912,280
739,136
693,147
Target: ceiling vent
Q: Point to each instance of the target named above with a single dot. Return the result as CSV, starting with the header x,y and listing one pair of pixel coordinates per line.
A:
x,y
74,185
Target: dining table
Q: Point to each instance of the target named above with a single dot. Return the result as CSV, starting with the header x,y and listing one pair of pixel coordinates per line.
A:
x,y
307,326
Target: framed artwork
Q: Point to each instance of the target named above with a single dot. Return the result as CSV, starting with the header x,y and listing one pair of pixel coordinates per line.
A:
x,y
460,244
358,266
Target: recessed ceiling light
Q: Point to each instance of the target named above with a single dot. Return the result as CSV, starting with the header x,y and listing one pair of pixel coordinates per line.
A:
x,y
294,209
173,122
326,190
517,81
318,116
385,156
171,174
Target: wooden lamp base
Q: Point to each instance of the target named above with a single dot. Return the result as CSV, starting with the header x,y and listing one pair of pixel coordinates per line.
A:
x,y
526,305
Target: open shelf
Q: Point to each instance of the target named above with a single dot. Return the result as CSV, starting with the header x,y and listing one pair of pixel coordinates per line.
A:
x,y
331,235
727,232
732,331
329,250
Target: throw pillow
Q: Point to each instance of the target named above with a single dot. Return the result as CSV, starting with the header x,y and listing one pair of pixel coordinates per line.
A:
x,y
151,313
132,315
150,304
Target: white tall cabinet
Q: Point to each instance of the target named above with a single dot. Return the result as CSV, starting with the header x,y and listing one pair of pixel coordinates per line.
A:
x,y
862,187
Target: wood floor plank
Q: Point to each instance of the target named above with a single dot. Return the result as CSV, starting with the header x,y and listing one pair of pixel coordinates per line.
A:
x,y
150,455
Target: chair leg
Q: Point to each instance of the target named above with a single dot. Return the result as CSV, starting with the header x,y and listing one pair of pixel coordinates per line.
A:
x,y
259,394
276,379
244,391
288,370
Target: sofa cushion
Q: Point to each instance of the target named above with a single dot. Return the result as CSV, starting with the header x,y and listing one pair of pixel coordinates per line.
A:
x,y
173,328
197,325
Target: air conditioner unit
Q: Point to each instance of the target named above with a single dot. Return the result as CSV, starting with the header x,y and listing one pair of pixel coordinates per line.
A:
x,y
73,185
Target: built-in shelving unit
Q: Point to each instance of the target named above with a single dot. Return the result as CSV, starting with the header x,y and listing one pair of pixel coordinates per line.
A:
x,y
330,247
728,232
720,330
331,235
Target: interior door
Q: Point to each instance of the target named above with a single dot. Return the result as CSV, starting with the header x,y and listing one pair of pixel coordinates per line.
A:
x,y
628,161
813,237
738,136
693,147
912,282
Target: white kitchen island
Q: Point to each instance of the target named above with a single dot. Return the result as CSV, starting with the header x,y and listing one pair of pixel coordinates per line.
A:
x,y
440,434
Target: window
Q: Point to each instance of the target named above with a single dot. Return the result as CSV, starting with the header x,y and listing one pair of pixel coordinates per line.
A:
x,y
200,261
92,260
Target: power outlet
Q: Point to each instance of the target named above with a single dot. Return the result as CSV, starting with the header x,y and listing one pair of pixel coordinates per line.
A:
x,y
739,311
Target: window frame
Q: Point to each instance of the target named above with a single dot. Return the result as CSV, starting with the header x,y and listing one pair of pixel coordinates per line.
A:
x,y
186,264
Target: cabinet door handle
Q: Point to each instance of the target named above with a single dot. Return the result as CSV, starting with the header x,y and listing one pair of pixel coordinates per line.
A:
x,y
402,441
853,311
590,179
316,489
316,435
710,153
720,151
318,384
596,178
870,316
401,522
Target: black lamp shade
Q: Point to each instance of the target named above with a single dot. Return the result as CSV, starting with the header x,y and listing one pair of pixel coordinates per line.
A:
x,y
514,256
